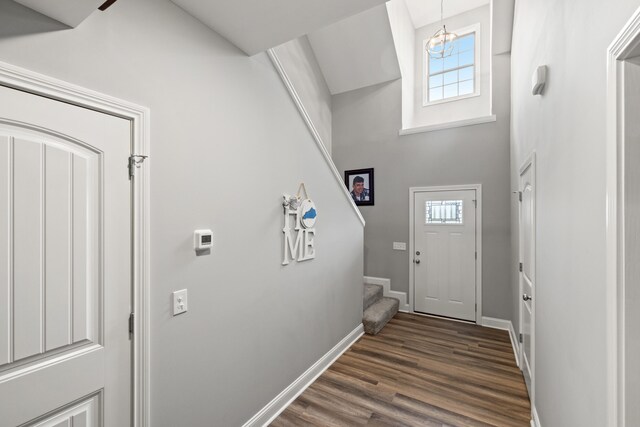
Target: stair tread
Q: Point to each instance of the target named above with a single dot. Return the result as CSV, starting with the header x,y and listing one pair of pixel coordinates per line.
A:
x,y
379,313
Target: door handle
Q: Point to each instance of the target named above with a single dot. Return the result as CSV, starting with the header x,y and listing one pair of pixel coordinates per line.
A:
x,y
526,297
417,261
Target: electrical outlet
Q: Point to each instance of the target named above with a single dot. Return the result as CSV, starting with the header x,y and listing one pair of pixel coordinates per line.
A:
x,y
399,246
179,302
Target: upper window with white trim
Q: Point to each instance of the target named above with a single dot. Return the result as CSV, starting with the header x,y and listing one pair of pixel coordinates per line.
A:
x,y
455,76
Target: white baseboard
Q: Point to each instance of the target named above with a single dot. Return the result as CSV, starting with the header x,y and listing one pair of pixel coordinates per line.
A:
x,y
535,420
386,287
289,394
506,325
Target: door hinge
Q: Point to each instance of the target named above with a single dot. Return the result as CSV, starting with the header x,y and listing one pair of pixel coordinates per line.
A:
x,y
476,307
520,338
475,203
520,267
131,323
519,196
135,161
476,255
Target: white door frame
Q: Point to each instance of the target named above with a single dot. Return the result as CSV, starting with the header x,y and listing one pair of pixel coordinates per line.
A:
x,y
530,162
412,193
623,45
38,84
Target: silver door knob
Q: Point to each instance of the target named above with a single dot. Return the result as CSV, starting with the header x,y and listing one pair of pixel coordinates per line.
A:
x,y
526,297
417,261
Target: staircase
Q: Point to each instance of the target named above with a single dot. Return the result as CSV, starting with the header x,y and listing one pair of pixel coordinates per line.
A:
x,y
378,310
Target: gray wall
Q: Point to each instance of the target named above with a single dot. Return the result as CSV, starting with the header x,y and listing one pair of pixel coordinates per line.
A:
x,y
226,141
300,64
567,129
365,134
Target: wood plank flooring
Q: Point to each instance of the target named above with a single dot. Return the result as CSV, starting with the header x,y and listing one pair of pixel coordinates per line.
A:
x,y
418,371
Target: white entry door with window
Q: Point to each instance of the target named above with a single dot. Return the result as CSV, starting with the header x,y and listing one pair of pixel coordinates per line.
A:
x,y
444,259
65,264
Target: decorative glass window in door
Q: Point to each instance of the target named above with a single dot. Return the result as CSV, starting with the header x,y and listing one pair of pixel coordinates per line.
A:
x,y
443,212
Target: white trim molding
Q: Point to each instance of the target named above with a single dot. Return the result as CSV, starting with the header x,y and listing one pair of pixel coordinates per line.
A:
x,y
622,46
505,325
274,408
535,420
478,190
387,292
39,84
448,125
312,128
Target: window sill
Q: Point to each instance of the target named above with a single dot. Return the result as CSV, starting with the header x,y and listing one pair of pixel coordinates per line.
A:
x,y
448,125
426,103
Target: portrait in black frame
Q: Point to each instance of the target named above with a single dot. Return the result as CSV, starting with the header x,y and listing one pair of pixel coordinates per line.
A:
x,y
360,184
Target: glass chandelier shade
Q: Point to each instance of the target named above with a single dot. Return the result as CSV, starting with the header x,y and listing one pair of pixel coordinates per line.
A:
x,y
441,44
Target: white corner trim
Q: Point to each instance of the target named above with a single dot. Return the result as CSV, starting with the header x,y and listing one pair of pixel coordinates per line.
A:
x,y
623,44
269,413
448,125
505,325
535,420
39,84
312,128
387,292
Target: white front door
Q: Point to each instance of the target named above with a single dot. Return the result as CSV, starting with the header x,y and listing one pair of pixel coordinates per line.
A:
x,y
65,264
527,271
445,253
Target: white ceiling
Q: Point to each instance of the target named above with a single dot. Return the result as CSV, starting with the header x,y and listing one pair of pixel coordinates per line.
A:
x,y
425,12
356,52
69,12
257,25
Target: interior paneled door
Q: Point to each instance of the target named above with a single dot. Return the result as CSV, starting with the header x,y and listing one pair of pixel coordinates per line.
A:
x,y
445,253
65,264
527,270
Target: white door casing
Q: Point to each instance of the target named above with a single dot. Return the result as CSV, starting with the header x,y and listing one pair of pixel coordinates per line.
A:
x,y
444,252
527,267
621,226
65,207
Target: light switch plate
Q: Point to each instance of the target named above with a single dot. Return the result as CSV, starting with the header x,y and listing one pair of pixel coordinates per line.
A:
x,y
179,302
399,246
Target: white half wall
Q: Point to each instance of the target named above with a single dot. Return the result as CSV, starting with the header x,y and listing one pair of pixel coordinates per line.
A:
x,y
387,292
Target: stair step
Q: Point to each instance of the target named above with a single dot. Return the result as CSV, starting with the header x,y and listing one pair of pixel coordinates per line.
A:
x,y
376,316
372,294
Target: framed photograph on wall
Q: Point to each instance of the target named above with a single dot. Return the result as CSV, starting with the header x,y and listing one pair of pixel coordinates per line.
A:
x,y
359,182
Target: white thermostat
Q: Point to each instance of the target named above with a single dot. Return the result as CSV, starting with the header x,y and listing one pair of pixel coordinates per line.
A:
x,y
202,239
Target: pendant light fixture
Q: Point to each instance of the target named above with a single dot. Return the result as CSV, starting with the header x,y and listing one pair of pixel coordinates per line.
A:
x,y
440,45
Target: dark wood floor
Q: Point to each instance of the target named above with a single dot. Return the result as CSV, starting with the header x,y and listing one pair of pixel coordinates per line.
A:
x,y
419,371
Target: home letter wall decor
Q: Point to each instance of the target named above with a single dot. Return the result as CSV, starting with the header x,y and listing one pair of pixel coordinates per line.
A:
x,y
299,241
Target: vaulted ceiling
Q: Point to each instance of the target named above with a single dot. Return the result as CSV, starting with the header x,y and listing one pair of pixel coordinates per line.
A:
x,y
357,52
425,12
69,12
257,25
